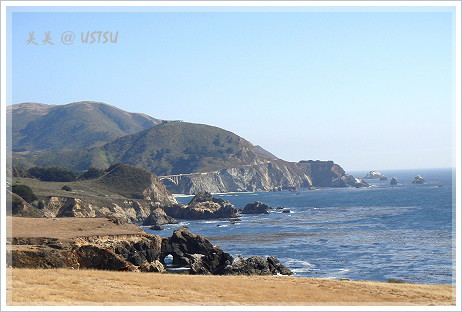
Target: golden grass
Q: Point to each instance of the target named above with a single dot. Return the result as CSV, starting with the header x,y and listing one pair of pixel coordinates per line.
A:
x,y
90,287
67,228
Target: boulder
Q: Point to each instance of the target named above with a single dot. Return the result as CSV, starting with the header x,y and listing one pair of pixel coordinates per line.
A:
x,y
418,180
159,217
393,181
256,208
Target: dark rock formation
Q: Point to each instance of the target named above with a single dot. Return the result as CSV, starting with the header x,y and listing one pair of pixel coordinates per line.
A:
x,y
393,181
195,251
96,257
418,180
202,257
256,208
203,206
383,178
159,217
256,265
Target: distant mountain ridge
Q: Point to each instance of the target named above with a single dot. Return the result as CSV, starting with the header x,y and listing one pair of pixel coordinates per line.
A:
x,y
43,128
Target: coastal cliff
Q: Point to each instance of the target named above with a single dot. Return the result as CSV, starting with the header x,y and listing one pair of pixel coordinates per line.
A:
x,y
272,175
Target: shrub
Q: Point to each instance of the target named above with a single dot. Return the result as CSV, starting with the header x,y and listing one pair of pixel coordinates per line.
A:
x,y
66,188
24,191
41,205
395,281
92,173
52,174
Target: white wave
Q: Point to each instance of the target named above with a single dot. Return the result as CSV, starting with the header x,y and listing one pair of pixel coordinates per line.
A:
x,y
298,262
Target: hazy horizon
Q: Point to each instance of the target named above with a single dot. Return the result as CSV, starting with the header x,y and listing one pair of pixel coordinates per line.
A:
x,y
368,90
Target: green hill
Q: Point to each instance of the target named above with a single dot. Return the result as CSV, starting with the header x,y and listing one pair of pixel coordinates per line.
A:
x,y
181,147
164,149
42,128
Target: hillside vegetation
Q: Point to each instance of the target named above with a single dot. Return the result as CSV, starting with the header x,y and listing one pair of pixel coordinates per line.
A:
x,y
164,149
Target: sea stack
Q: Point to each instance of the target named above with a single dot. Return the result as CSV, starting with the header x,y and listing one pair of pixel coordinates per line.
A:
x,y
393,181
418,180
375,175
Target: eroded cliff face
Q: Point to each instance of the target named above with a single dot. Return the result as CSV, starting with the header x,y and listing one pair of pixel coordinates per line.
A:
x,y
272,175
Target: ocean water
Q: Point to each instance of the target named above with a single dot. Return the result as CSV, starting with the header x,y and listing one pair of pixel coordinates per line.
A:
x,y
378,233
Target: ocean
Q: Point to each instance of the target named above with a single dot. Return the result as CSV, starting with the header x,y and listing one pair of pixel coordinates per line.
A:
x,y
378,233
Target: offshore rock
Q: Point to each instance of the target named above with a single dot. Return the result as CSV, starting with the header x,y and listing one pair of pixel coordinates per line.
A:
x,y
203,206
418,180
393,181
349,180
256,208
375,175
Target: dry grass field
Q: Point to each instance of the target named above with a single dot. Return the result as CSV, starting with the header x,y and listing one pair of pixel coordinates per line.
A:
x,y
87,287
67,228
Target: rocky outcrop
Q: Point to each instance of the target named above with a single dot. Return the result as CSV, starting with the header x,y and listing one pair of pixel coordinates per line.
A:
x,y
197,252
256,265
136,252
418,180
203,206
271,175
393,181
349,180
202,257
256,208
159,217
375,175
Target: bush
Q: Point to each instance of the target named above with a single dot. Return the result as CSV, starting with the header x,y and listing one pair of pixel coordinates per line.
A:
x,y
52,174
92,173
66,188
24,191
395,281
41,205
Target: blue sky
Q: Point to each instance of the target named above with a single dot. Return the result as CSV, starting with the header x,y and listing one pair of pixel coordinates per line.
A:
x,y
369,90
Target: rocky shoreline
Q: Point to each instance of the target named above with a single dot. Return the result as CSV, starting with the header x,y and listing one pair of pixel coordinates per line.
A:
x,y
135,252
